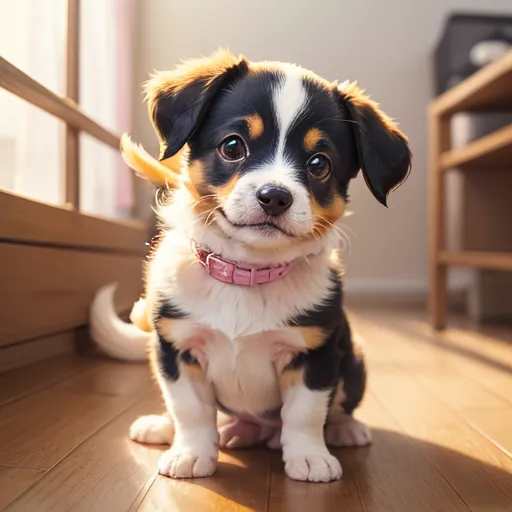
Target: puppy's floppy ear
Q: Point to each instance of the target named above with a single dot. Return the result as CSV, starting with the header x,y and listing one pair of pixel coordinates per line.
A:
x,y
382,149
178,100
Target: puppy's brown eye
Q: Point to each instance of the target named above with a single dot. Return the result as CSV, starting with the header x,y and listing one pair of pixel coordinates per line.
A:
x,y
233,148
319,166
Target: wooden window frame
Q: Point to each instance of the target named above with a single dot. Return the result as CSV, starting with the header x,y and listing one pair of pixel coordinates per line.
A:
x,y
54,258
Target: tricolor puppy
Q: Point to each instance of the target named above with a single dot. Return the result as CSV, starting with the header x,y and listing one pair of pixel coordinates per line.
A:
x,y
243,305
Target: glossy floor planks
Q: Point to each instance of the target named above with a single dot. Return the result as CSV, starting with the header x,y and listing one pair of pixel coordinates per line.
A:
x,y
440,406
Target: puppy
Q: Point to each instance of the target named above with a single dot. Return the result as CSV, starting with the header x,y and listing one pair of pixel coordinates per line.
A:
x,y
243,306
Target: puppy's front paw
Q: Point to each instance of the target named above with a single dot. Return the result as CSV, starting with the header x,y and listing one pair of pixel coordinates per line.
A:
x,y
177,464
349,432
313,468
152,429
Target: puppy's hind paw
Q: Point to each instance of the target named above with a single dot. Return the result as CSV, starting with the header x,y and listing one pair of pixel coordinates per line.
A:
x,y
349,432
152,429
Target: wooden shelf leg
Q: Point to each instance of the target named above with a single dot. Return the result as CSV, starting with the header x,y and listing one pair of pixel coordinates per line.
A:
x,y
439,141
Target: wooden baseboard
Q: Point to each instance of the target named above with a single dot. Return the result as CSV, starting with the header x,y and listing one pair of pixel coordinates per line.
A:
x,y
406,301
52,262
33,351
47,290
29,352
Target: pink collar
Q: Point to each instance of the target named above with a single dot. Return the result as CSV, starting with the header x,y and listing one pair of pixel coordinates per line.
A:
x,y
242,274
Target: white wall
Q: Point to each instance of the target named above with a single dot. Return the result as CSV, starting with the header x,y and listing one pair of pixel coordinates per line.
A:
x,y
385,45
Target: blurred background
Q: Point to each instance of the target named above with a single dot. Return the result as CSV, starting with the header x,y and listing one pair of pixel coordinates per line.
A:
x,y
389,47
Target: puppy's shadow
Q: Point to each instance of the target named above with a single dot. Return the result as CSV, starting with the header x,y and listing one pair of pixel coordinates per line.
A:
x,y
242,478
396,473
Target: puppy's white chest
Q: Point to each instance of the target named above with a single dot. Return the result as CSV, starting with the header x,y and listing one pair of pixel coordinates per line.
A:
x,y
244,372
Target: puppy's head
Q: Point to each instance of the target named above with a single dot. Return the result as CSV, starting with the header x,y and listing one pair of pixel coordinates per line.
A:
x,y
272,147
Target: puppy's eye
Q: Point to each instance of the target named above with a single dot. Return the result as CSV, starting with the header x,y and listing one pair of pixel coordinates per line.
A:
x,y
233,148
319,166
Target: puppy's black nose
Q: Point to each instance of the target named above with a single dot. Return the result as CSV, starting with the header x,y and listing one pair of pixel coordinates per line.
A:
x,y
274,200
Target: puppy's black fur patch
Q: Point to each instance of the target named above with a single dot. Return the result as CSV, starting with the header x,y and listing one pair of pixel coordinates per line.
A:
x,y
335,360
353,373
226,117
188,358
167,359
166,354
169,310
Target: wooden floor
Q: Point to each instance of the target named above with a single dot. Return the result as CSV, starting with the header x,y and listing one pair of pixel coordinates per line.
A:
x,y
440,406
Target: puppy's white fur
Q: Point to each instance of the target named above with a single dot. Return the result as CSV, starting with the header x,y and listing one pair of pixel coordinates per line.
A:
x,y
289,100
305,454
239,335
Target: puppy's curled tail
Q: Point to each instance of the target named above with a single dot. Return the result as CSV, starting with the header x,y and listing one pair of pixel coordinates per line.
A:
x,y
118,339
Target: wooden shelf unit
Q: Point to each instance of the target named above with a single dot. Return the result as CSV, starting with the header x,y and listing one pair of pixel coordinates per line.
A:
x,y
493,151
490,89
477,259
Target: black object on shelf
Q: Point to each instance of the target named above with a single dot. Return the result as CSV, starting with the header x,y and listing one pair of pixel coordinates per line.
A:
x,y
468,43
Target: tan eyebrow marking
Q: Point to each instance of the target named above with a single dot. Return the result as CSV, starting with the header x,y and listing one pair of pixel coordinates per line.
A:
x,y
312,137
255,125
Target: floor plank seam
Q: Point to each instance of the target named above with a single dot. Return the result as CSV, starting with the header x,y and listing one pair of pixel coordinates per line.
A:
x,y
41,388
467,354
141,496
459,415
360,494
49,470
132,403
462,500
478,430
488,388
444,349
8,466
426,454
269,483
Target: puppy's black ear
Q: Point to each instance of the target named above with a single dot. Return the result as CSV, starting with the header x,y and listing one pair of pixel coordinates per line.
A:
x,y
178,100
382,149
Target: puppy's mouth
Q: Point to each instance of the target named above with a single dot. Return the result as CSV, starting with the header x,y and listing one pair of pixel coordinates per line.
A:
x,y
267,228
